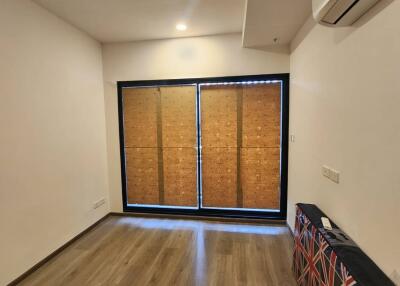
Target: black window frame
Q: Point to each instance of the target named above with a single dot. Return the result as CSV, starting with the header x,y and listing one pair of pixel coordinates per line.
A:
x,y
274,215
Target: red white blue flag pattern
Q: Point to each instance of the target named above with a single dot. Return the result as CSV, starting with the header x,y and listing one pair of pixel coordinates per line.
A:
x,y
314,262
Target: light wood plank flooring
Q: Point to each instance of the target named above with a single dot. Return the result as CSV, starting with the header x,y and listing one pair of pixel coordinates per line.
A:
x,y
151,251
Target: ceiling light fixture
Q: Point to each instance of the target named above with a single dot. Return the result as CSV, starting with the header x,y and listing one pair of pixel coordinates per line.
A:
x,y
181,27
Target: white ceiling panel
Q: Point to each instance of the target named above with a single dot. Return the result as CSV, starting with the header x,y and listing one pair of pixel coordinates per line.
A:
x,y
267,20
133,20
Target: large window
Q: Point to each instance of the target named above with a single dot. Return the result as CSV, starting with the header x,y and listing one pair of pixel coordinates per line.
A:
x,y
212,146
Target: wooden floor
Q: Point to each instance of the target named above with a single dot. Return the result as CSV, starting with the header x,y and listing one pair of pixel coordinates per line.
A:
x,y
149,251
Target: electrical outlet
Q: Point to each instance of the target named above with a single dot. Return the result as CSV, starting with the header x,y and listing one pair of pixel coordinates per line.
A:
x,y
99,203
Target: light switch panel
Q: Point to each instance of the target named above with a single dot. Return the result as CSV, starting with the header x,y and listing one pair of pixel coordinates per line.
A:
x,y
331,174
326,171
334,176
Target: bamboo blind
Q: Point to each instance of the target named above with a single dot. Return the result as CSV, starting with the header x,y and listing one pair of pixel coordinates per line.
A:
x,y
241,146
160,141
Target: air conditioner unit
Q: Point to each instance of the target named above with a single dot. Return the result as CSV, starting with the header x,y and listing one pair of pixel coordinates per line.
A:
x,y
340,12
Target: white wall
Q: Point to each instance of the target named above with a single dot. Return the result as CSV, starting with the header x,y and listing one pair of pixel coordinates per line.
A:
x,y
345,100
53,144
177,58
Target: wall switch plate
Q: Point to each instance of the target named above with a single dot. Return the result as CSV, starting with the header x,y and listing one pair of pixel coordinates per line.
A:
x,y
334,176
331,174
99,203
292,138
326,171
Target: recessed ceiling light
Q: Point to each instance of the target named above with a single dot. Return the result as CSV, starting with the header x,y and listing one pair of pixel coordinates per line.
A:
x,y
181,27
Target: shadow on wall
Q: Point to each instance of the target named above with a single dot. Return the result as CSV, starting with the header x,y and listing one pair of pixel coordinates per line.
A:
x,y
278,49
302,33
342,33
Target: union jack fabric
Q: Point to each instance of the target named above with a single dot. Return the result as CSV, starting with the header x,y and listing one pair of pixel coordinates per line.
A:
x,y
314,261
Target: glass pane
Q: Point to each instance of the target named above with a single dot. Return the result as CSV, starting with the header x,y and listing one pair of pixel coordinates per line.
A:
x,y
240,139
160,146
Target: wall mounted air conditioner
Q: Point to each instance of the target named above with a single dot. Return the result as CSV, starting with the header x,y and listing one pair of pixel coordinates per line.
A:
x,y
340,12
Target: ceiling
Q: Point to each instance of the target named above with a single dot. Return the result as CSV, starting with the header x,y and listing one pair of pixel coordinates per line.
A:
x,y
111,21
134,20
270,19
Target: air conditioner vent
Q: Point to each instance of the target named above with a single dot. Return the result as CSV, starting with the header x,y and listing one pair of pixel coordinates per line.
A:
x,y
340,12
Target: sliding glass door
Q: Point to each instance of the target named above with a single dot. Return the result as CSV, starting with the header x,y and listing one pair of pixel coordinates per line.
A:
x,y
205,146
